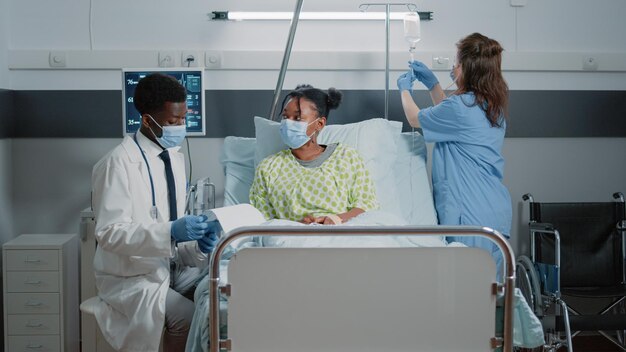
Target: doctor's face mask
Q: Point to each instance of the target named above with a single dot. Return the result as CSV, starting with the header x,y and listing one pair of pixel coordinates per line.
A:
x,y
172,136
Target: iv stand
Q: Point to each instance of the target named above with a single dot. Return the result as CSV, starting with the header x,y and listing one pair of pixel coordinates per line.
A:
x,y
364,8
286,55
292,33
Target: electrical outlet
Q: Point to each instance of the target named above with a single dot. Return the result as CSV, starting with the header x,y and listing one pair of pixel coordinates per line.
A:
x,y
590,63
212,59
518,3
441,63
191,58
167,59
57,59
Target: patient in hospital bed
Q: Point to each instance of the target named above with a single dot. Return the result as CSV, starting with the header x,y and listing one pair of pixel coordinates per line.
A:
x,y
310,182
393,187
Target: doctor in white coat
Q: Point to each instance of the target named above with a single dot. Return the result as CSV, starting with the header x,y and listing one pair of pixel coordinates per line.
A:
x,y
140,228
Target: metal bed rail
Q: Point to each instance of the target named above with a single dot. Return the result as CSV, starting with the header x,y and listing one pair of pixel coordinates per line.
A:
x,y
508,284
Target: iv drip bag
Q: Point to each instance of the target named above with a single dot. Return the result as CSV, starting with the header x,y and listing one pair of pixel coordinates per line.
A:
x,y
412,31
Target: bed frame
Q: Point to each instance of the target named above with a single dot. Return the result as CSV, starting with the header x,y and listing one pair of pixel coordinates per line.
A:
x,y
360,299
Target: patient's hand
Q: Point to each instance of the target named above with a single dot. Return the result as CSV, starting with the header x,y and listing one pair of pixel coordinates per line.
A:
x,y
321,220
308,219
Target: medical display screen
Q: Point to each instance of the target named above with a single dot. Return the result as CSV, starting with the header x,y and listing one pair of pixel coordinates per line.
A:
x,y
191,79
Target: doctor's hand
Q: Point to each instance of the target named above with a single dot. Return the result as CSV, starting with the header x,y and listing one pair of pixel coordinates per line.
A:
x,y
189,228
208,241
405,81
423,74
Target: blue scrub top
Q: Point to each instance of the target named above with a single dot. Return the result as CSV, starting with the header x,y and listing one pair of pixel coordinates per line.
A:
x,y
467,167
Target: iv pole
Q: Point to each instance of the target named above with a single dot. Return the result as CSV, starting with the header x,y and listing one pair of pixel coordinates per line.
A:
x,y
286,55
364,8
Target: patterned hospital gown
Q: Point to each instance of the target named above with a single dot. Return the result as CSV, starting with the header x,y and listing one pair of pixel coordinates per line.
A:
x,y
284,189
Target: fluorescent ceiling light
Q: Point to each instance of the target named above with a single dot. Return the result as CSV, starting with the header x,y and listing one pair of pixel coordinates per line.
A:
x,y
331,16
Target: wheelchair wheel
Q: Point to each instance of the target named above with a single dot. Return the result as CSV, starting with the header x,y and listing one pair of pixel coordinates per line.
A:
x,y
528,283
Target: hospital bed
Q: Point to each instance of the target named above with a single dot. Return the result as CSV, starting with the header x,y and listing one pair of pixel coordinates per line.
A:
x,y
345,298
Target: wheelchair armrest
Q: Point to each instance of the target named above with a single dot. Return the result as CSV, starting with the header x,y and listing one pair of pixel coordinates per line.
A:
x,y
547,228
541,227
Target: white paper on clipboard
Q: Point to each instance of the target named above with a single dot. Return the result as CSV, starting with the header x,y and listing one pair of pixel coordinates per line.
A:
x,y
236,216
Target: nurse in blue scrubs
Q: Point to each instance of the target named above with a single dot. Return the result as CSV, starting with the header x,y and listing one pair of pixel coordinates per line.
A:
x,y
468,129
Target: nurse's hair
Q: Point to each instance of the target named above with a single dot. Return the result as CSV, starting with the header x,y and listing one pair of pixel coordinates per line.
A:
x,y
323,101
156,89
481,73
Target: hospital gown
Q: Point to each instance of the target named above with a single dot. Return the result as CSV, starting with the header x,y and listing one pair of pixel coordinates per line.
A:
x,y
284,189
468,168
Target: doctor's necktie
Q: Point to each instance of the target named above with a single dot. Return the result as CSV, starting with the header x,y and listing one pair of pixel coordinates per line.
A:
x,y
171,186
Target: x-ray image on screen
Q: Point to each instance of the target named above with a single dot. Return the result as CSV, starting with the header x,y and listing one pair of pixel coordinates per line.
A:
x,y
191,79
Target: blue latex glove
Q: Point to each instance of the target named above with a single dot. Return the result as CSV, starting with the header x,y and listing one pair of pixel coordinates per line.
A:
x,y
208,241
189,228
405,81
423,74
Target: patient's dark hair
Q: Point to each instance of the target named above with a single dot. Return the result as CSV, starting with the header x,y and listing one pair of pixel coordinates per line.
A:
x,y
154,90
323,101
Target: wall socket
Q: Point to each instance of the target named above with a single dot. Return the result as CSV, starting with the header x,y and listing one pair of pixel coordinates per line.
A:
x,y
212,59
197,56
441,63
167,59
590,63
57,59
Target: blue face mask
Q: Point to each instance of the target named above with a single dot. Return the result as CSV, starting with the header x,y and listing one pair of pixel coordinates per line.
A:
x,y
293,133
172,136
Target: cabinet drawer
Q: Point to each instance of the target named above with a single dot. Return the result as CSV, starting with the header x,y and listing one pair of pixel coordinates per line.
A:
x,y
33,303
33,324
31,260
34,343
27,281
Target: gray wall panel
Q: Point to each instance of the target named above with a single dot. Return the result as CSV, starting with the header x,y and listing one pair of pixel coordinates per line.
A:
x,y
567,114
6,113
97,114
68,113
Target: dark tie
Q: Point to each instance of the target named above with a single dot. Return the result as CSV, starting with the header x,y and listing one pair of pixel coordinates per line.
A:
x,y
171,186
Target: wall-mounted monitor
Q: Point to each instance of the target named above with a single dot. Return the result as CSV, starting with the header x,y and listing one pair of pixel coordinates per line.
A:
x,y
192,79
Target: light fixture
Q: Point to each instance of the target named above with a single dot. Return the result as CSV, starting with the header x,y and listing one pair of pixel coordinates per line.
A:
x,y
328,16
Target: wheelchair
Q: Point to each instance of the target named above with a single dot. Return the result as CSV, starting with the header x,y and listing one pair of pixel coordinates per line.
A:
x,y
577,256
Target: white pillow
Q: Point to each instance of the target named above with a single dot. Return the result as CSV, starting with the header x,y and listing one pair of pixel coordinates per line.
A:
x,y
374,140
268,139
238,161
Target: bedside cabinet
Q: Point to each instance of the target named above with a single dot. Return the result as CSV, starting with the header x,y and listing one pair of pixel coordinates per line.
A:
x,y
40,274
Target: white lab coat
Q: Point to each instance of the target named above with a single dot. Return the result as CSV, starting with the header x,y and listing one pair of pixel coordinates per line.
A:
x,y
132,261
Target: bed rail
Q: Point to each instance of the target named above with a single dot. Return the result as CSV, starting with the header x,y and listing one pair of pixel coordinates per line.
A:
x,y
508,283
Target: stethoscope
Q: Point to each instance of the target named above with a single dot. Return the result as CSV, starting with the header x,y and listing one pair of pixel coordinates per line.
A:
x,y
153,210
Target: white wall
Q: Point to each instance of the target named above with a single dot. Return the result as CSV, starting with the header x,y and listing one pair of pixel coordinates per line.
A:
x,y
4,40
575,169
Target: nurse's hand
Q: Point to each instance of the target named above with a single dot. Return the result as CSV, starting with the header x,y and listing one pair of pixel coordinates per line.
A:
x,y
208,241
189,228
423,74
405,81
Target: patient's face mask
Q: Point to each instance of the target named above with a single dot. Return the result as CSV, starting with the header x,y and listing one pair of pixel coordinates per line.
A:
x,y
293,133
172,136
